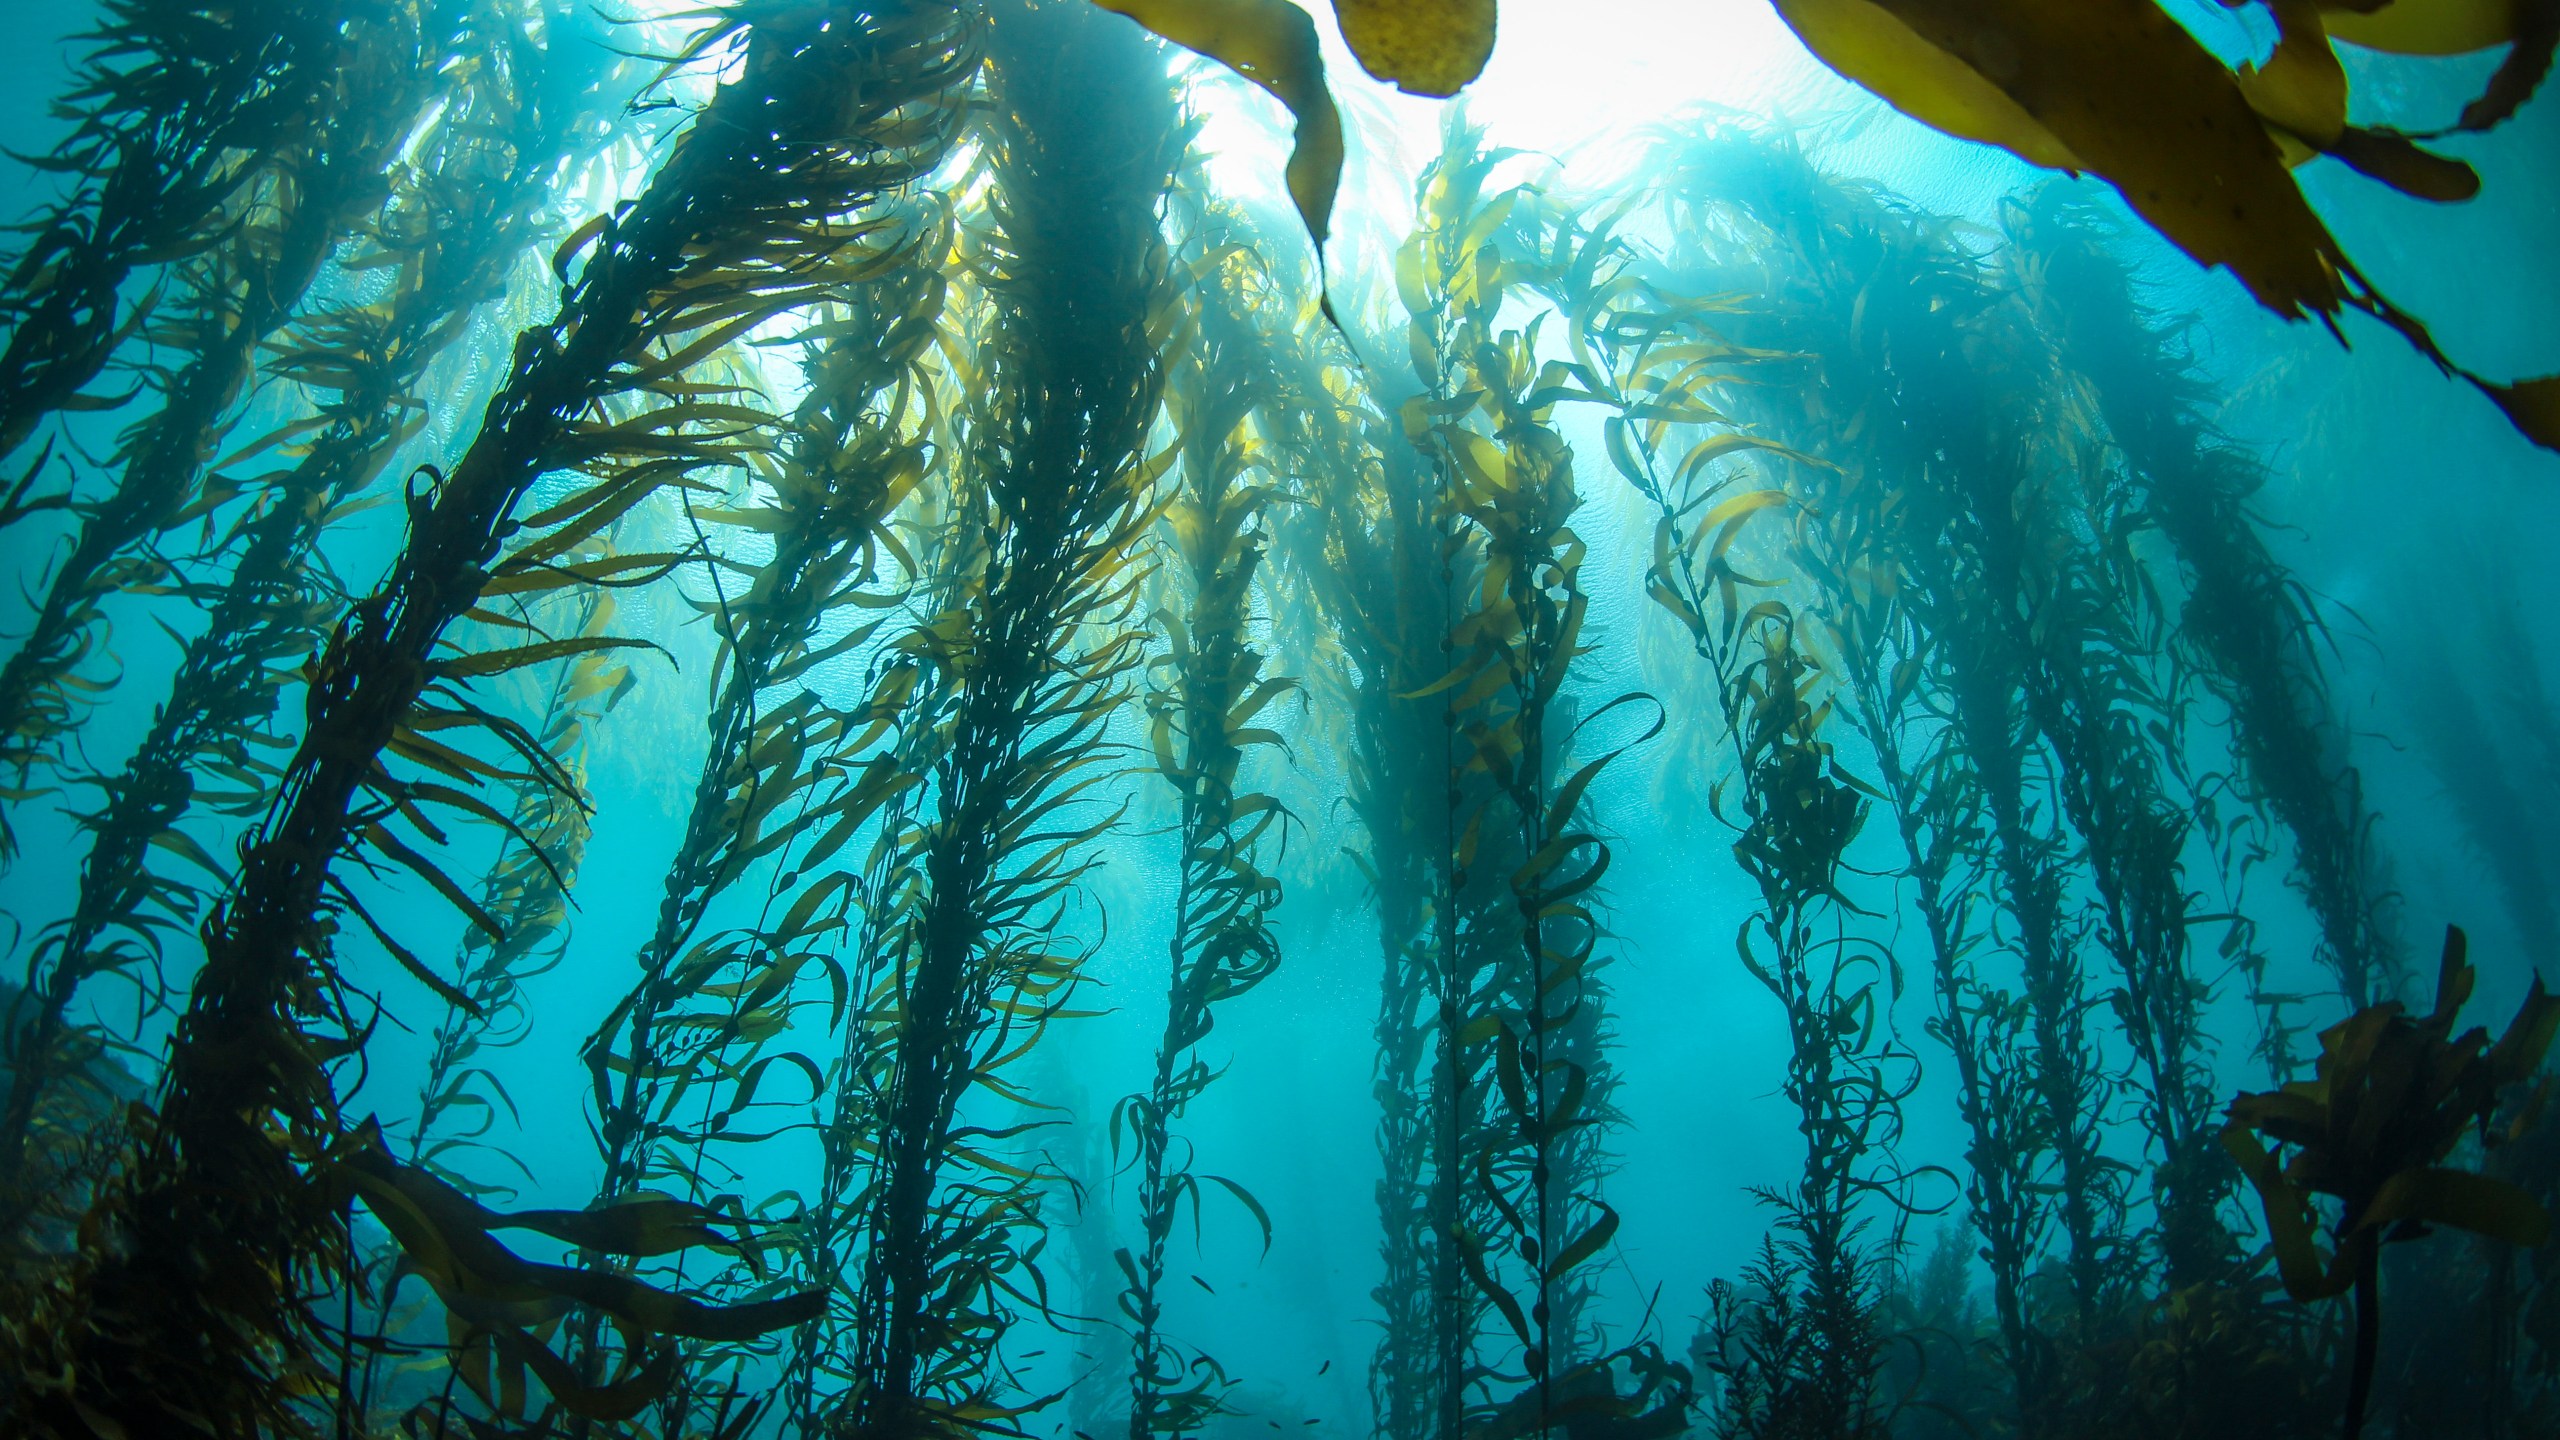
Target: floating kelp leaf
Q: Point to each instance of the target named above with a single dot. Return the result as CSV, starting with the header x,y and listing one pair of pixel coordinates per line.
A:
x,y
2120,90
446,1236
2523,72
2390,1098
1868,44
1273,44
2301,87
2399,162
2301,92
1422,47
2426,27
2126,94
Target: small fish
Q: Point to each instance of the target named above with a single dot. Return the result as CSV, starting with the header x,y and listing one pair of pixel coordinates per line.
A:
x,y
1203,1284
1324,1367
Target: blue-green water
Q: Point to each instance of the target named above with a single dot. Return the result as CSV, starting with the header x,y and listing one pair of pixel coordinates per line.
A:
x,y
2397,512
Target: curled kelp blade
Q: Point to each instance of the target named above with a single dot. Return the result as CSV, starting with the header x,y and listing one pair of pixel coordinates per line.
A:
x,y
2300,91
2113,87
2460,27
2120,90
445,1235
1273,44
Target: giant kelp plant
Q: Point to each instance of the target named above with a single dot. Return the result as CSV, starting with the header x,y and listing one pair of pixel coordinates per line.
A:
x,y
797,529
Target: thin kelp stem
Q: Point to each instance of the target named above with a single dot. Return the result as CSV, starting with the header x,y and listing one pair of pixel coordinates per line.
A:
x,y
845,460
886,889
1889,394
526,890
1366,560
1850,542
1468,982
1529,1019
1052,477
474,190
181,105
2245,616
784,779
331,175
1206,721
217,1178
1804,1354
2106,717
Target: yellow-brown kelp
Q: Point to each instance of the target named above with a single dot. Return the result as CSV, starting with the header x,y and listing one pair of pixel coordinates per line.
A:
x,y
181,105
471,193
1051,492
330,175
784,779
1655,355
1526,1034
526,893
1808,250
1206,721
2390,1097
1803,1354
189,1298
2245,618
1371,606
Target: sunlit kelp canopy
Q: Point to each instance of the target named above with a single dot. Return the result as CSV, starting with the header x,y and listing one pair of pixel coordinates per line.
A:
x,y
933,719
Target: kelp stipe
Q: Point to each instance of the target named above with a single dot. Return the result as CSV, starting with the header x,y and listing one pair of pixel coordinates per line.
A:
x,y
1363,568
1658,357
1813,247
700,1044
526,894
386,64
180,106
2106,710
786,779
1522,1011
882,892
230,1211
471,195
1052,489
2245,617
1813,1352
1463,942
1205,708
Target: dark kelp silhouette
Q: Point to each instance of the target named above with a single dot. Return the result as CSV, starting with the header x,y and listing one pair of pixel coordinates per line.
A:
x,y
231,1198
1205,710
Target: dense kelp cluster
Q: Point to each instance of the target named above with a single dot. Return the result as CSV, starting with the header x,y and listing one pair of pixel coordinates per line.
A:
x,y
960,494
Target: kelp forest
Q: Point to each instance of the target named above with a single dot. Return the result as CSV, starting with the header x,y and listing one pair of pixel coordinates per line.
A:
x,y
1197,719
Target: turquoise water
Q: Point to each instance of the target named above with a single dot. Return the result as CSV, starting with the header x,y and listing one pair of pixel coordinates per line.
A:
x,y
1092,284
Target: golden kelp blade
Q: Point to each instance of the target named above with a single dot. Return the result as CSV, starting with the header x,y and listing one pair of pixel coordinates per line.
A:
x,y
2427,27
2121,89
2301,92
2460,27
1863,41
1273,44
1422,47
2301,86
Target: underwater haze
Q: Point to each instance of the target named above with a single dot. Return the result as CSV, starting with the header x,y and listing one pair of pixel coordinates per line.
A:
x,y
777,718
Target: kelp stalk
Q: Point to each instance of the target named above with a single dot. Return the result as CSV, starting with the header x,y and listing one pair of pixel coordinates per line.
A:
x,y
221,1216
1055,483
182,104
474,192
1205,724
383,71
